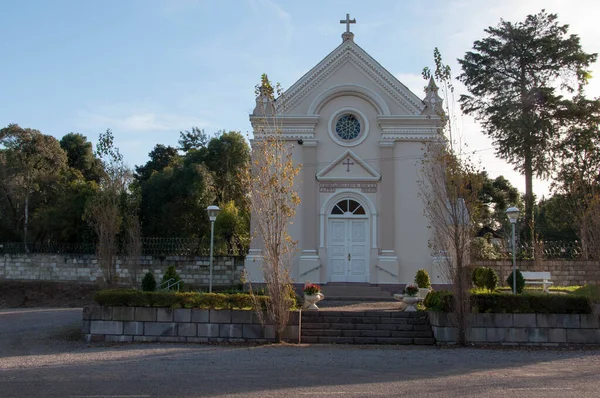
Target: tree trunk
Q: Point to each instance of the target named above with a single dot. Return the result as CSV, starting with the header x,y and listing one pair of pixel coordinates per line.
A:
x,y
26,224
528,222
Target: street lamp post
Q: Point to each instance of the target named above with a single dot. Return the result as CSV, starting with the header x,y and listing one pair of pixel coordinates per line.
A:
x,y
513,215
212,215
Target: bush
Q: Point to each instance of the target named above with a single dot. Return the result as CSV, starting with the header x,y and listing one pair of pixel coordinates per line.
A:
x,y
134,298
516,304
490,279
485,278
121,298
591,292
520,281
530,303
422,279
148,283
477,277
172,274
437,300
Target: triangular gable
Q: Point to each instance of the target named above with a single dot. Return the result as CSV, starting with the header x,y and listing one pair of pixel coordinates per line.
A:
x,y
348,167
349,51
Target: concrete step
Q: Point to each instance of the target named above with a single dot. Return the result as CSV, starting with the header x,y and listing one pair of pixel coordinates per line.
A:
x,y
366,327
366,333
358,299
368,340
345,291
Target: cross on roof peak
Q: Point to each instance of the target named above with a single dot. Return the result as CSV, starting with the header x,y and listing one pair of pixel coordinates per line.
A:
x,y
348,21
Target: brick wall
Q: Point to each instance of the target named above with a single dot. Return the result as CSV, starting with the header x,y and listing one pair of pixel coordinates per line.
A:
x,y
564,272
85,268
128,324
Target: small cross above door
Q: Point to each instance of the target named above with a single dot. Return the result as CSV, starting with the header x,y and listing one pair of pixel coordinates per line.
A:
x,y
348,163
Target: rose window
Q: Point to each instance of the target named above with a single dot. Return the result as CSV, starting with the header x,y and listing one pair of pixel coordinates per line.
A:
x,y
347,127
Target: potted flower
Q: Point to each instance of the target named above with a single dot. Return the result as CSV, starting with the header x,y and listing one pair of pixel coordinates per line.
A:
x,y
312,295
410,297
423,283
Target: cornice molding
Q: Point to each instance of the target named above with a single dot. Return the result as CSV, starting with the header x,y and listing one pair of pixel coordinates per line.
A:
x,y
351,52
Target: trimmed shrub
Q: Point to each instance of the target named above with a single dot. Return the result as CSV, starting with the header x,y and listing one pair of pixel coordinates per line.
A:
x,y
121,298
148,283
171,273
519,304
591,292
520,281
530,303
134,298
490,279
485,278
422,279
438,301
477,277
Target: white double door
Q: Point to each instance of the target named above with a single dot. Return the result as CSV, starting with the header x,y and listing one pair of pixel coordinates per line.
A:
x,y
348,250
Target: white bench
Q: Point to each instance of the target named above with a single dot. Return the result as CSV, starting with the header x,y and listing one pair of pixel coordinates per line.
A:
x,y
538,278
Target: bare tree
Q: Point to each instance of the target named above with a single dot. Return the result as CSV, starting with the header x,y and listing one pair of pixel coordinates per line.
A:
x,y
103,212
449,188
273,200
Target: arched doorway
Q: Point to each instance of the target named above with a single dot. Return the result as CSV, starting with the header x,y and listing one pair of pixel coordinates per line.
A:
x,y
348,242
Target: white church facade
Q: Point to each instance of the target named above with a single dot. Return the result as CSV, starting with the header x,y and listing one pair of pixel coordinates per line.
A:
x,y
360,136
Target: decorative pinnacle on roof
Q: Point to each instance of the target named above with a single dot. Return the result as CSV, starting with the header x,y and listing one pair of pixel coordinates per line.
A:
x,y
432,100
347,35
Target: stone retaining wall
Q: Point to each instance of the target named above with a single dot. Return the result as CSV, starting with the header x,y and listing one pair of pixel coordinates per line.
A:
x,y
520,329
129,324
85,268
564,272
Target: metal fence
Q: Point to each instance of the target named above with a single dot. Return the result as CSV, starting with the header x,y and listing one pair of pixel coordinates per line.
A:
x,y
549,250
201,247
150,247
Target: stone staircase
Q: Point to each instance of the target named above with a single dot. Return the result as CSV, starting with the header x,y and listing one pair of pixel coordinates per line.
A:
x,y
366,327
355,292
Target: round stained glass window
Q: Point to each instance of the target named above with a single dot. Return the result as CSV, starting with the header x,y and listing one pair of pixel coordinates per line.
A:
x,y
347,127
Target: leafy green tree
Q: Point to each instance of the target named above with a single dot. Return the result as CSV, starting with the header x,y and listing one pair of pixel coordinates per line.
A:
x,y
195,139
28,159
160,157
555,219
232,228
80,156
577,176
227,156
515,77
497,195
174,202
59,218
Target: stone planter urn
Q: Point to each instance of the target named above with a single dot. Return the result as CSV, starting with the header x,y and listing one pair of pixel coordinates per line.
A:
x,y
410,302
423,292
311,300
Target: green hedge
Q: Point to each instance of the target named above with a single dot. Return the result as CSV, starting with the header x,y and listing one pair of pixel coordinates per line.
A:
x,y
510,303
134,298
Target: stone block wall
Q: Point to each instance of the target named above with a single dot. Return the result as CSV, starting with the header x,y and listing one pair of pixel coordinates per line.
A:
x,y
564,272
85,268
129,324
520,329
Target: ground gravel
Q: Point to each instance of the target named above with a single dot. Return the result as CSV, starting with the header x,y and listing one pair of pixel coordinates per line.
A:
x,y
39,358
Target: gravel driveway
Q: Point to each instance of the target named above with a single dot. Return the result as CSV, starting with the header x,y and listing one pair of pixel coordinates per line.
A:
x,y
37,359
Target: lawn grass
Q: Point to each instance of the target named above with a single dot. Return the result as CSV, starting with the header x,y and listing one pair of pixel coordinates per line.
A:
x,y
563,289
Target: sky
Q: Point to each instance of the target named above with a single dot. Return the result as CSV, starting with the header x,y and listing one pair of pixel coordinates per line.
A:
x,y
148,69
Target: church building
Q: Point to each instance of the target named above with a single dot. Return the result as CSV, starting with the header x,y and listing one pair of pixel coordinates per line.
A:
x,y
360,135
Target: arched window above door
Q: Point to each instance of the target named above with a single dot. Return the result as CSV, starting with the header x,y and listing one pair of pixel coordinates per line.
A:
x,y
347,207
